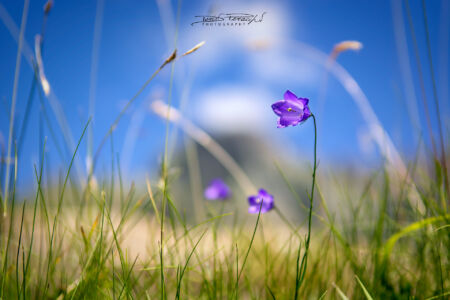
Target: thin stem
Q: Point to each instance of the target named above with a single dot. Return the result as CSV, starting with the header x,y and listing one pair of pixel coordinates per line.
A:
x,y
436,100
308,238
313,182
161,254
421,80
93,74
248,251
13,104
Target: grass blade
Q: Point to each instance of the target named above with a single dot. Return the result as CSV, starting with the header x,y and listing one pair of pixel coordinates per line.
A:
x,y
340,293
389,245
363,288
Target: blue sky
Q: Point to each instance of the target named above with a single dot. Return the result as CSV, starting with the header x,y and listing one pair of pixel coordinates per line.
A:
x,y
228,85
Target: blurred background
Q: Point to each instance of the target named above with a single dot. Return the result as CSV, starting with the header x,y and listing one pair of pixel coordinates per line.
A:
x,y
97,55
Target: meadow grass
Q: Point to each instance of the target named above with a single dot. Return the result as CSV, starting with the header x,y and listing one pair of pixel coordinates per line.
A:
x,y
355,236
113,249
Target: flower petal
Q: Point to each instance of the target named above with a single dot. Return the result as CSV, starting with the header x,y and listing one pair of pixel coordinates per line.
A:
x,y
267,198
295,106
283,107
263,193
210,193
280,107
254,200
306,113
266,207
288,95
292,98
279,125
305,101
254,209
286,120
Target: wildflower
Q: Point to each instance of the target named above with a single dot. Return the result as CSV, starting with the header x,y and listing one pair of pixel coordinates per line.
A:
x,y
217,190
255,202
292,110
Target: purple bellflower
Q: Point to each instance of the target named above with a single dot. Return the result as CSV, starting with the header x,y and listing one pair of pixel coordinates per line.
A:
x,y
292,110
217,190
254,202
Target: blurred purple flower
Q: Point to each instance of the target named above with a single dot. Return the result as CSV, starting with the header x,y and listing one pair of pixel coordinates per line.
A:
x,y
255,202
217,190
292,110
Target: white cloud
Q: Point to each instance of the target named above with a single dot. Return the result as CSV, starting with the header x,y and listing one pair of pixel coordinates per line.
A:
x,y
234,109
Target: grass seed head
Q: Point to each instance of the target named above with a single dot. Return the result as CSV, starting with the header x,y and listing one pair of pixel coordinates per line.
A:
x,y
195,48
48,6
346,45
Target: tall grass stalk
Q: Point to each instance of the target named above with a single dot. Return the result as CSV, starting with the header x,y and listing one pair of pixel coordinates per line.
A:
x,y
421,78
93,75
436,100
58,210
125,109
8,239
239,272
30,249
13,103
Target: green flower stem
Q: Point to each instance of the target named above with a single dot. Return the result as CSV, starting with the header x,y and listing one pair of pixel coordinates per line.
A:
x,y
311,199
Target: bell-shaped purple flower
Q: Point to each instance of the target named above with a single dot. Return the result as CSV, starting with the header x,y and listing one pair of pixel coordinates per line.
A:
x,y
292,110
254,202
217,190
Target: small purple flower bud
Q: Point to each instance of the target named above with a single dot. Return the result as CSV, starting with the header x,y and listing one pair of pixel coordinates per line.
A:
x,y
217,190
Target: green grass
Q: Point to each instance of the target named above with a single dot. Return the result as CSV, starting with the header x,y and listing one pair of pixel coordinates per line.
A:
x,y
375,256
